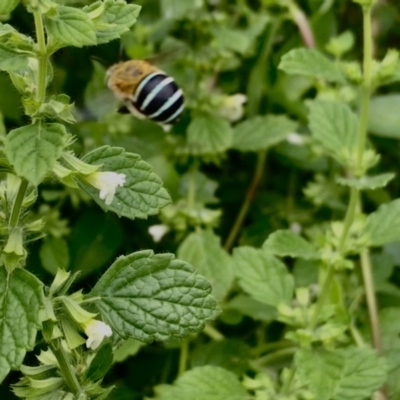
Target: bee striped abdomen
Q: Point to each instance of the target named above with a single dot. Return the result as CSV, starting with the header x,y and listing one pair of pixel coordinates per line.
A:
x,y
159,98
146,91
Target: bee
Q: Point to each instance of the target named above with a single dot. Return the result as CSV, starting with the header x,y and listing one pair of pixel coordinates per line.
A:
x,y
146,91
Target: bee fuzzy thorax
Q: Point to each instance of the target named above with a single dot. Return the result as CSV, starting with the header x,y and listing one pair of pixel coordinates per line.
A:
x,y
146,91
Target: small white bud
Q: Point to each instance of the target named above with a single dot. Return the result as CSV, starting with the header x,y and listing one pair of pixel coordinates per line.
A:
x,y
96,331
157,232
295,138
232,107
107,182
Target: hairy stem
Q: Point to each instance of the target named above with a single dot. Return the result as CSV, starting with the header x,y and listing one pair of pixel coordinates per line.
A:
x,y
366,92
65,367
371,299
322,296
349,218
16,208
366,86
355,193
42,58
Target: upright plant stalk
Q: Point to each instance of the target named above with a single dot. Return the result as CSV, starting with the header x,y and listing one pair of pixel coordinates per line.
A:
x,y
355,193
183,356
65,366
16,208
40,97
67,371
42,58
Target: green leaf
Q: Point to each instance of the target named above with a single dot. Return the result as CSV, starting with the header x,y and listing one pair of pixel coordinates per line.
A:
x,y
367,182
203,383
58,107
335,126
71,26
260,133
128,348
263,276
344,374
205,187
230,354
142,194
54,254
389,321
112,18
21,296
384,116
101,363
34,149
305,272
209,134
383,225
6,6
154,297
252,308
231,39
287,243
310,62
176,9
203,250
341,44
11,60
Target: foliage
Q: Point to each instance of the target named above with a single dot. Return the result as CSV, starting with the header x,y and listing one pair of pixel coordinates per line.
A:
x,y
277,190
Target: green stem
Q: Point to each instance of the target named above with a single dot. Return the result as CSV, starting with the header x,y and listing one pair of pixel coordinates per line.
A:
x,y
191,195
287,387
65,367
250,194
365,102
349,218
371,299
358,339
268,347
183,357
42,58
16,209
253,107
278,355
322,296
366,86
355,193
213,333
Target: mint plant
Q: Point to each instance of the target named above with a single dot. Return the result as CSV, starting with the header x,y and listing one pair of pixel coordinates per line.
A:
x,y
142,295
280,200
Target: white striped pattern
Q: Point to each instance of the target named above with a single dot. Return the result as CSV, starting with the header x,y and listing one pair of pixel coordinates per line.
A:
x,y
143,83
175,114
154,92
175,97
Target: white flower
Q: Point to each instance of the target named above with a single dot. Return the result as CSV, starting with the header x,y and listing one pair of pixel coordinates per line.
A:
x,y
295,138
96,331
107,182
232,107
157,232
295,227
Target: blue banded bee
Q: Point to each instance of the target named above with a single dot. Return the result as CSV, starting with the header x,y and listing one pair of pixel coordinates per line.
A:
x,y
147,92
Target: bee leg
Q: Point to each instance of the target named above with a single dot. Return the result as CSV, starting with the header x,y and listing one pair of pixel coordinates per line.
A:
x,y
123,110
